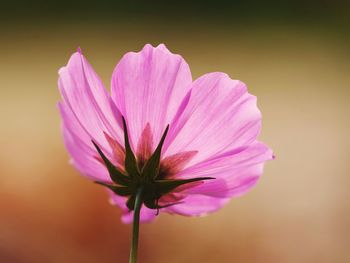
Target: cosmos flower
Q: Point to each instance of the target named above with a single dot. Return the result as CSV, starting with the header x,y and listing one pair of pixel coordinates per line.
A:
x,y
192,145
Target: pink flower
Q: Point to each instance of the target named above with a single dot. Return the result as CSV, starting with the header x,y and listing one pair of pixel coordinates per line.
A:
x,y
212,134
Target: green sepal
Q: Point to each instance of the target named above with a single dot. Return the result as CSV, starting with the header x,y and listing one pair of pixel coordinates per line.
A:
x,y
131,202
130,160
153,204
150,170
116,176
166,186
161,187
119,190
128,185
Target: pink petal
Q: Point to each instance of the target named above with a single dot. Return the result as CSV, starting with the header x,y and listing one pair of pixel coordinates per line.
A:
x,y
236,171
197,205
220,116
87,104
146,214
84,158
148,87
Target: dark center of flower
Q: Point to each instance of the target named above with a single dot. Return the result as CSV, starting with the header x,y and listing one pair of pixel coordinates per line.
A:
x,y
152,175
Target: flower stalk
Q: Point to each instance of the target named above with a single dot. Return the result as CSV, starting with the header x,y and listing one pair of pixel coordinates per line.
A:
x,y
136,223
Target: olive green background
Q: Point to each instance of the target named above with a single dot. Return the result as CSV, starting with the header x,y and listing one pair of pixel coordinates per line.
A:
x,y
294,55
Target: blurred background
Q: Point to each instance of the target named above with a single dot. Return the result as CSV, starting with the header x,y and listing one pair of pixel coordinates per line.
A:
x,y
294,55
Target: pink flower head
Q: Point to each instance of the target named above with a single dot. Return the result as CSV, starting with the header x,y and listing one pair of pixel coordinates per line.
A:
x,y
193,144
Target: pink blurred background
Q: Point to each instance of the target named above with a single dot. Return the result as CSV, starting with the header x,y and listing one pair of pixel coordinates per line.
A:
x,y
299,70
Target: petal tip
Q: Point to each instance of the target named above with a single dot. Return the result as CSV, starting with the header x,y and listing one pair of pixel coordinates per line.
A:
x,y
163,47
61,70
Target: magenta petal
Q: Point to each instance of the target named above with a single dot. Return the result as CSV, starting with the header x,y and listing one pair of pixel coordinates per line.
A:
x,y
236,171
197,205
87,103
148,87
220,115
83,157
146,214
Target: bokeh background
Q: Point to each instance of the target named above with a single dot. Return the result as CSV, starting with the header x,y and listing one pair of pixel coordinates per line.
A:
x,y
294,55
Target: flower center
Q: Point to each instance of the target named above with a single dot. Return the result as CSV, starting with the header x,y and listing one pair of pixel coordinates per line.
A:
x,y
145,170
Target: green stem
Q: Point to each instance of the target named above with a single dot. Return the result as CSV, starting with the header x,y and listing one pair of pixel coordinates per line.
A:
x,y
135,227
